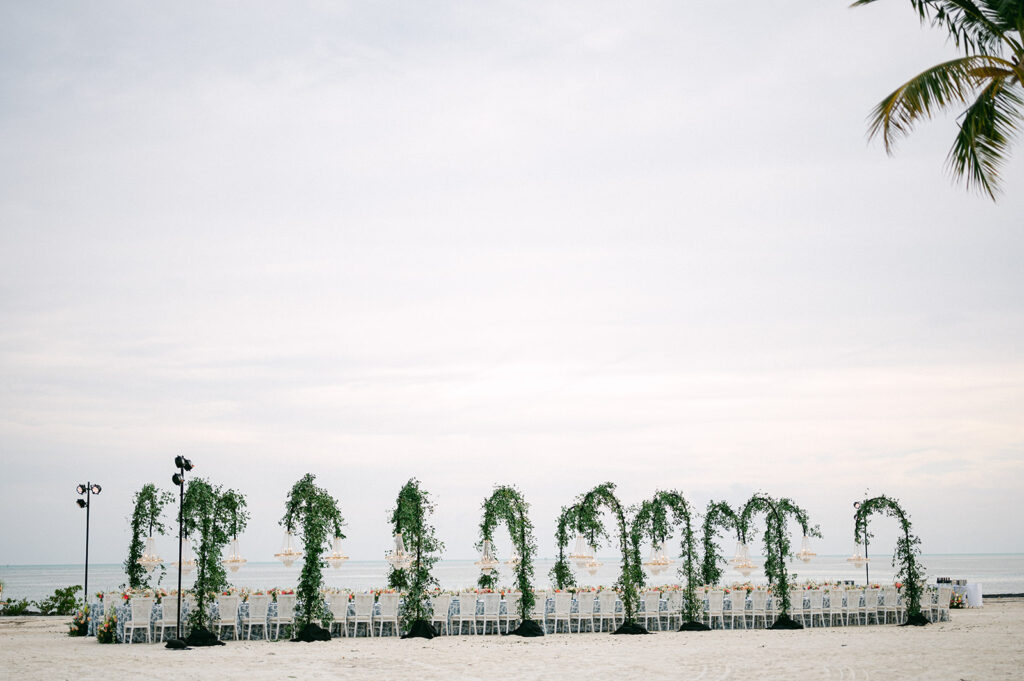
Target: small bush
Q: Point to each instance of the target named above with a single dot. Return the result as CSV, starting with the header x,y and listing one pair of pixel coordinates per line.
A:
x,y
15,607
62,602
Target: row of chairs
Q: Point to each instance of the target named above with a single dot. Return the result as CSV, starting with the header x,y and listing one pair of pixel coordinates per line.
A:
x,y
141,608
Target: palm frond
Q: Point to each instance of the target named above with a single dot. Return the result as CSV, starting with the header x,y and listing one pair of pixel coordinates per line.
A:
x,y
924,94
976,26
987,128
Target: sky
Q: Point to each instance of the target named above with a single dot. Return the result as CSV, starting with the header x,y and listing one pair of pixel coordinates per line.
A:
x,y
478,243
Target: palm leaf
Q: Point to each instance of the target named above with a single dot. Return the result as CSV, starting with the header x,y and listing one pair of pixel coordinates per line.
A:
x,y
986,129
980,26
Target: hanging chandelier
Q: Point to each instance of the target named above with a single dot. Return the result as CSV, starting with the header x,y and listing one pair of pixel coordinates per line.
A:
x,y
288,555
335,558
858,559
513,559
582,553
805,554
487,561
188,559
741,561
591,566
234,560
399,558
658,561
149,558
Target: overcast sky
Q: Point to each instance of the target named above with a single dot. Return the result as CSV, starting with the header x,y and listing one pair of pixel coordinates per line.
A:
x,y
547,244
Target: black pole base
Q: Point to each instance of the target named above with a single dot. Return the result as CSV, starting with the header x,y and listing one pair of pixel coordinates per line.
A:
x,y
177,644
527,629
202,637
786,622
918,620
694,626
421,629
310,633
629,627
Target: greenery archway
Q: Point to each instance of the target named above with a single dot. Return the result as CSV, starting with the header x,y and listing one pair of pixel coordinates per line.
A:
x,y
652,521
719,515
908,548
777,547
409,518
146,517
314,513
585,517
507,504
208,513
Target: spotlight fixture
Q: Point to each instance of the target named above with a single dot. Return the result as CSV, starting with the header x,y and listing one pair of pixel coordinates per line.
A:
x,y
178,479
183,463
80,502
86,489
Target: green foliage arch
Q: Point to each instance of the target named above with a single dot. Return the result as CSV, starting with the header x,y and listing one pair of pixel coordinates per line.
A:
x,y
409,518
719,515
652,521
908,548
209,513
506,504
315,514
146,518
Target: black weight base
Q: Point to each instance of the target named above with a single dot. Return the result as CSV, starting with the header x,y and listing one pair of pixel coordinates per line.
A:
x,y
420,629
527,628
177,644
785,622
694,626
310,633
917,620
202,637
630,628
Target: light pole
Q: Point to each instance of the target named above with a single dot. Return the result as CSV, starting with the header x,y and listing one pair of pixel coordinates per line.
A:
x,y
86,489
178,479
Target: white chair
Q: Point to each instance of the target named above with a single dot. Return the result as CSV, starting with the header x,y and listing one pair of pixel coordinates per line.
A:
x,y
339,612
816,607
606,601
285,613
716,607
467,610
853,606
758,607
890,604
227,614
540,609
872,606
584,610
941,607
836,607
388,613
257,615
141,608
738,605
491,612
440,606
511,610
362,611
168,616
796,605
652,608
563,608
674,607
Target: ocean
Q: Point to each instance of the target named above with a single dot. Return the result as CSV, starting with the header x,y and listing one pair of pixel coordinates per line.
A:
x,y
997,573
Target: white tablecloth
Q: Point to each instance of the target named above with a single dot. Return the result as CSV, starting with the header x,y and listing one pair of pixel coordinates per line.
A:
x,y
972,594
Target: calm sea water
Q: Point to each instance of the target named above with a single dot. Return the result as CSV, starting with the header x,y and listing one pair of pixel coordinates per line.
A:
x,y
997,573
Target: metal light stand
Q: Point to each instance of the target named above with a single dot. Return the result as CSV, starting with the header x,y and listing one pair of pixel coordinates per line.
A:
x,y
88,489
178,479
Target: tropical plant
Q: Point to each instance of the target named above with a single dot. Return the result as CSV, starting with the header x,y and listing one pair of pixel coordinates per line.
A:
x,y
409,518
506,504
652,521
987,80
18,607
149,506
908,548
61,602
315,513
209,513
719,515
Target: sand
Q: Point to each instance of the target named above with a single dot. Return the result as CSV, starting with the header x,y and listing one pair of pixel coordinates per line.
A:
x,y
985,643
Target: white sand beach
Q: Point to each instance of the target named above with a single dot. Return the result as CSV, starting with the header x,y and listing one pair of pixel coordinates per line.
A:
x,y
976,644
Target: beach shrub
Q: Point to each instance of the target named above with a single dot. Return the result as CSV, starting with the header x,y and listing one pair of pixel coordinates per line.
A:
x,y
61,602
19,607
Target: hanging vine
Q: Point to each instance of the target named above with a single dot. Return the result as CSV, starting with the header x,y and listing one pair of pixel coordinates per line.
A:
x,y
560,573
718,515
209,513
585,517
905,558
652,521
409,518
315,514
506,503
146,518
777,547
